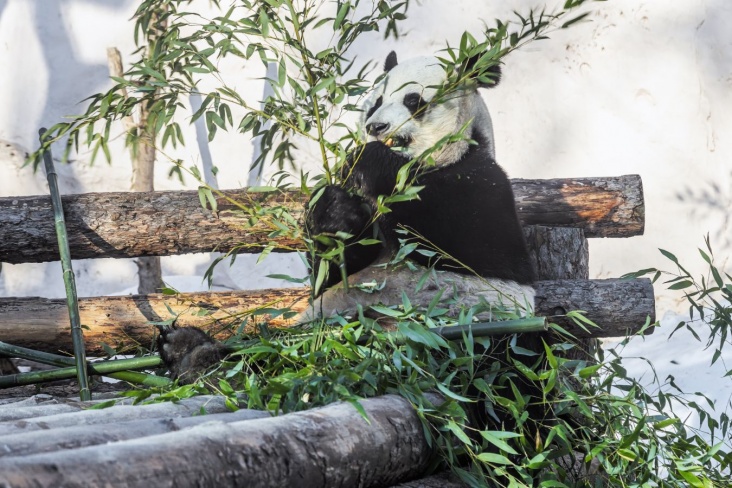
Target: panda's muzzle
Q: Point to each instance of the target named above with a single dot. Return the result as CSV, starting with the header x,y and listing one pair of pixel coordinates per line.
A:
x,y
380,131
377,128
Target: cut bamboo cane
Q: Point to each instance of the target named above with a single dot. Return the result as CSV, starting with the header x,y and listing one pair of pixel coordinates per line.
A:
x,y
11,351
102,368
68,272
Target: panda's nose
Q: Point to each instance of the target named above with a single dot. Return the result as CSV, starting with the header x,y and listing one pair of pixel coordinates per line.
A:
x,y
376,128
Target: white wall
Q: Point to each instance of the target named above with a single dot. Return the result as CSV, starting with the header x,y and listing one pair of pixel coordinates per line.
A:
x,y
643,88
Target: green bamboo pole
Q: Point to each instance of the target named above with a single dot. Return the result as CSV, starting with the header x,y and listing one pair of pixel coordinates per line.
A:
x,y
483,329
11,351
102,368
68,273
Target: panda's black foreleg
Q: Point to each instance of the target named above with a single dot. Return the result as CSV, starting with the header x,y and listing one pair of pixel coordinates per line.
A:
x,y
373,169
336,210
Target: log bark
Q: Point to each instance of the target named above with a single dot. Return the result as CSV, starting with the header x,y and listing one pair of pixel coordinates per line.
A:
x,y
442,480
120,413
333,446
618,306
40,441
559,254
124,225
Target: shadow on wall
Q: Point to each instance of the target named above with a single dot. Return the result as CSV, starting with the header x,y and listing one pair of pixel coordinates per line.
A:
x,y
62,62
712,200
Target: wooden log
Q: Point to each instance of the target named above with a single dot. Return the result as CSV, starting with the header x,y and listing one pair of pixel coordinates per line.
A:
x,y
123,322
120,413
442,480
123,225
333,446
618,306
562,253
41,441
558,253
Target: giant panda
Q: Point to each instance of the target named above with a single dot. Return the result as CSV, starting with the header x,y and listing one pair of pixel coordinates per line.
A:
x,y
465,211
464,219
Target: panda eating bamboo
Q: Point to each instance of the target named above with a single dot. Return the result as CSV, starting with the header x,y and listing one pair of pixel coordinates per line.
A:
x,y
464,220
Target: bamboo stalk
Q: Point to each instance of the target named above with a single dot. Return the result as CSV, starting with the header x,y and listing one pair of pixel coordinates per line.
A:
x,y
68,272
102,368
483,329
12,351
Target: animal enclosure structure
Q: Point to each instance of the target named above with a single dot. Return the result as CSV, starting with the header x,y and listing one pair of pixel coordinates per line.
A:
x,y
558,216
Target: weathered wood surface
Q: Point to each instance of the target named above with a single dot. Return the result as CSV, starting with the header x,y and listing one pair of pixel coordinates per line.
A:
x,y
122,322
123,225
39,441
441,480
561,253
558,253
617,306
333,446
120,413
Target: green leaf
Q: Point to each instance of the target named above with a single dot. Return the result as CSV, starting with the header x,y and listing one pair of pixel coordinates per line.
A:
x,y
589,371
681,285
492,458
496,438
459,433
670,256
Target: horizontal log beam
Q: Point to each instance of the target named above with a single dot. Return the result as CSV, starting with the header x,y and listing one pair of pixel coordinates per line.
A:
x,y
125,225
326,447
83,435
617,306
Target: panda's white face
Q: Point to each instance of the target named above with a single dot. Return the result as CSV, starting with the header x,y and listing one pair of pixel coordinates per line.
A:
x,y
401,111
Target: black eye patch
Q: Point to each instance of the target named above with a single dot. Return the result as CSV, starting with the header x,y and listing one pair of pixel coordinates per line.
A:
x,y
415,103
374,108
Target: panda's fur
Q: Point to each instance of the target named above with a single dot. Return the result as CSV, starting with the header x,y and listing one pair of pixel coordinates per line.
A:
x,y
466,209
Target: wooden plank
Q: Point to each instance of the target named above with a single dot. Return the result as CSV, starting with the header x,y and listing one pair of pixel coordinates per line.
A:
x,y
124,225
617,306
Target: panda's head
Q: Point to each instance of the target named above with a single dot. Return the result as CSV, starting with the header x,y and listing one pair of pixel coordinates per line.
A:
x,y
409,111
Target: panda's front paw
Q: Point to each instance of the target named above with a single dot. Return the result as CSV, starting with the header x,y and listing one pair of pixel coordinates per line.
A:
x,y
373,169
188,352
337,211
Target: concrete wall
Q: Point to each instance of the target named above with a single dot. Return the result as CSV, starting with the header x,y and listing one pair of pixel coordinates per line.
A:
x,y
642,88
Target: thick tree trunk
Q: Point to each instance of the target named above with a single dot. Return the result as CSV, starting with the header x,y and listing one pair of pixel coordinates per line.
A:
x,y
123,225
333,446
618,306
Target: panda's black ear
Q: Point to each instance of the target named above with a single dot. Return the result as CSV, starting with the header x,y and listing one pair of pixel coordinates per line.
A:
x,y
493,73
391,61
